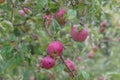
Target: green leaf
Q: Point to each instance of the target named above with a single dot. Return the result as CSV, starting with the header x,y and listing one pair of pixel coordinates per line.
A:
x,y
71,14
7,25
85,75
42,3
79,28
80,46
56,25
113,76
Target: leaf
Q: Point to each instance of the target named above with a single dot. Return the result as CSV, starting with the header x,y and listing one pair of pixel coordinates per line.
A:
x,y
85,75
42,3
80,46
113,76
7,25
59,68
79,28
12,37
71,14
56,25
1,27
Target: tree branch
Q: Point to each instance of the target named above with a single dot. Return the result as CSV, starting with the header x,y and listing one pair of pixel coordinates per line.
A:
x,y
62,59
12,11
46,29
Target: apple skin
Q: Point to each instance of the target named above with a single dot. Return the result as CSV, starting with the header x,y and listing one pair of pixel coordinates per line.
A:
x,y
103,24
60,17
79,36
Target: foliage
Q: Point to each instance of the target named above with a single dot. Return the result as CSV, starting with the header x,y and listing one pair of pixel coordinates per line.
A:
x,y
24,39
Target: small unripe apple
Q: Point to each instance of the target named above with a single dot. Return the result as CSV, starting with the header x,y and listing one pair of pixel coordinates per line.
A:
x,y
90,54
79,58
95,48
83,67
22,13
102,26
101,78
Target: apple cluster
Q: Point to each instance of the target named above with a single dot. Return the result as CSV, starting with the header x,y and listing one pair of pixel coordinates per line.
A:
x,y
56,48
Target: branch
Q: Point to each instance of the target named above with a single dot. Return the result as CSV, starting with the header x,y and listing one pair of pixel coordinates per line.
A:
x,y
23,23
67,67
46,29
71,3
12,11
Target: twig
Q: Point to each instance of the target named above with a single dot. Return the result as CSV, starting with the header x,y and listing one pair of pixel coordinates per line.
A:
x,y
12,11
91,41
23,23
46,29
67,67
71,3
77,1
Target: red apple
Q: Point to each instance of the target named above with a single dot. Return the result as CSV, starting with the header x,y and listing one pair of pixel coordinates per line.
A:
x,y
79,35
103,24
